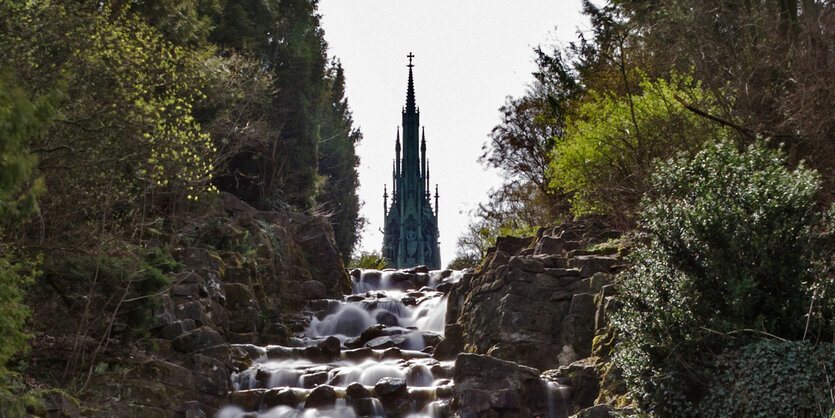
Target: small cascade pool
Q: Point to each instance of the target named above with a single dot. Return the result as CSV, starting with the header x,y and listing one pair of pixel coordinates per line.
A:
x,y
368,354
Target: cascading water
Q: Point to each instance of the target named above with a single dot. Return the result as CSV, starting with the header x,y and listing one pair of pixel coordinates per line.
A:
x,y
368,354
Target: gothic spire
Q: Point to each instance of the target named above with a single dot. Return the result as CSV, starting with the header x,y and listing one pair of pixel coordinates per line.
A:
x,y
410,91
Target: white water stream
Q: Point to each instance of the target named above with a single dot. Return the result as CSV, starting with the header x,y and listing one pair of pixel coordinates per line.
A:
x,y
412,320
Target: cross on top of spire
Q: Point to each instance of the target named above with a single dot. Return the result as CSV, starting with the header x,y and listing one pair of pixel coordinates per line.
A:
x,y
410,56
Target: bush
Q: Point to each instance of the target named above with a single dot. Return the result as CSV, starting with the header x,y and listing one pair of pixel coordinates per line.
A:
x,y
797,378
122,288
369,260
728,255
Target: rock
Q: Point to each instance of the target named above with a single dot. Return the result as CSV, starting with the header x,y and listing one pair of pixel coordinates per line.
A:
x,y
528,264
475,371
312,380
330,348
391,353
238,295
192,409
597,411
193,311
584,379
421,269
474,400
197,339
321,397
280,397
167,373
389,387
381,342
358,354
275,333
177,328
487,385
249,400
357,391
591,264
313,289
387,318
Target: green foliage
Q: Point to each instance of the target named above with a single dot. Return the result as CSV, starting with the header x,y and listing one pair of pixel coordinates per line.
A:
x,y
15,274
21,120
728,251
462,262
369,260
122,287
604,158
772,378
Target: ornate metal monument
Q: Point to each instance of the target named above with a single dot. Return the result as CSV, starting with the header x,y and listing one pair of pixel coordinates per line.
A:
x,y
411,225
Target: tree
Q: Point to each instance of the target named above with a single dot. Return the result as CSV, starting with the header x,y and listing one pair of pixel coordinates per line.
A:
x,y
337,165
604,158
21,121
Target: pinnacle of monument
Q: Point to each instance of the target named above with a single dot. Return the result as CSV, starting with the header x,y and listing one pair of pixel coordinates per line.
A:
x,y
410,90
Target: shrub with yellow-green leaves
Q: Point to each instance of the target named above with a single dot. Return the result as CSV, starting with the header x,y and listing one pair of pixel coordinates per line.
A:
x,y
126,141
604,159
153,86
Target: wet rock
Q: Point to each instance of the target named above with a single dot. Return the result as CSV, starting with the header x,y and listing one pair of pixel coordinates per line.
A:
x,y
321,397
358,354
409,301
354,298
311,380
249,400
391,353
387,318
389,387
197,339
357,391
584,379
280,397
431,339
275,333
443,392
381,342
313,289
330,348
421,269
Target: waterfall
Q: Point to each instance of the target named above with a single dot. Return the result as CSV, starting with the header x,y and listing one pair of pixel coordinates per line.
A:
x,y
385,337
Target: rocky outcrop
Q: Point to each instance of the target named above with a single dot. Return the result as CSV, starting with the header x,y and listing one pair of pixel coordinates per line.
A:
x,y
541,302
534,301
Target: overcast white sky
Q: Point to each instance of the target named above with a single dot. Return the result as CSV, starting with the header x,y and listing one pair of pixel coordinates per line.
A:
x,y
469,55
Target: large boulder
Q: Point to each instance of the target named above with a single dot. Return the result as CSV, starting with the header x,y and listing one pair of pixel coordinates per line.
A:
x,y
484,384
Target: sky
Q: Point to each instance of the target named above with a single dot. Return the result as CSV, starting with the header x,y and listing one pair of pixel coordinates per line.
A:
x,y
469,55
